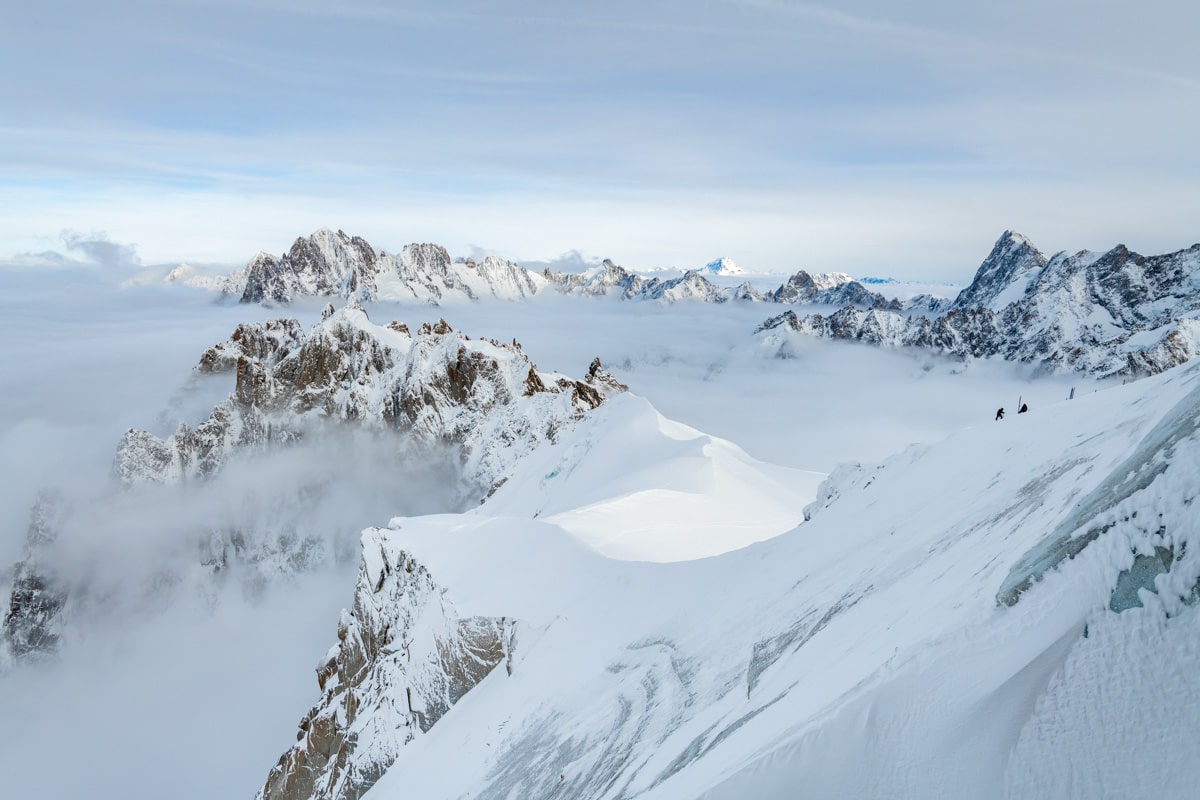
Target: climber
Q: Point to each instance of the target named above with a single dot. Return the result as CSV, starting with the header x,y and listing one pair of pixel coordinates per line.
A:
x,y
1023,408
1000,414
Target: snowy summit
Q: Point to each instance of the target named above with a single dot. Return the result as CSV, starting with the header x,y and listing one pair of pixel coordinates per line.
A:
x,y
723,266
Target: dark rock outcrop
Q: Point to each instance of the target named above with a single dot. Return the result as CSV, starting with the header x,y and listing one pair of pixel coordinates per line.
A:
x,y
33,622
437,387
402,659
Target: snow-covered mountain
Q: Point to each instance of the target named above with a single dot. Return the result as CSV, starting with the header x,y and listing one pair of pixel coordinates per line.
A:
x,y
436,385
625,482
834,288
466,409
328,264
1113,313
1008,613
33,622
333,264
724,267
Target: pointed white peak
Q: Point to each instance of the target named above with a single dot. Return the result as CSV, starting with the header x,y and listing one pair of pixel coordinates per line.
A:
x,y
723,266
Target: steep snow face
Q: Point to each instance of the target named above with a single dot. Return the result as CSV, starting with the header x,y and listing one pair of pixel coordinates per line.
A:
x,y
1005,275
624,482
1117,313
850,654
403,657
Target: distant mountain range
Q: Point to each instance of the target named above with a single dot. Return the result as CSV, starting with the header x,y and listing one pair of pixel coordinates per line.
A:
x,y
336,265
1115,313
1105,314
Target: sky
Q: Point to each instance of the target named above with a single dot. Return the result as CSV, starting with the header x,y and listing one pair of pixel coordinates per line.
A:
x,y
871,137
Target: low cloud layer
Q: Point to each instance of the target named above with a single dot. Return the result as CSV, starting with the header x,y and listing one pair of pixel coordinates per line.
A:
x,y
76,250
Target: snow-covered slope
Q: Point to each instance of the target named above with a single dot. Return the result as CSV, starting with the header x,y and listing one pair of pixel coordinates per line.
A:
x,y
1116,313
634,485
624,482
1008,613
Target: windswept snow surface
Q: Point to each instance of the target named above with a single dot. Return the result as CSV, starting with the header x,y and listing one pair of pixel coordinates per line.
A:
x,y
867,652
634,485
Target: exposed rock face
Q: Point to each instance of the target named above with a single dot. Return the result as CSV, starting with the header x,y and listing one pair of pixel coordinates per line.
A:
x,y
466,409
1118,313
328,264
690,286
745,291
402,658
336,265
829,290
519,282
436,387
1011,266
608,278
325,263
33,621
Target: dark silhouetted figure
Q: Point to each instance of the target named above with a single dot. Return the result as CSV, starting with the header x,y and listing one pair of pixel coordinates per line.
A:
x,y
1024,407
1000,414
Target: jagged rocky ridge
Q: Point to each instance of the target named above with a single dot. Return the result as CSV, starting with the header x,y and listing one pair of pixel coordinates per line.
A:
x,y
402,658
467,409
33,623
1107,314
333,264
435,386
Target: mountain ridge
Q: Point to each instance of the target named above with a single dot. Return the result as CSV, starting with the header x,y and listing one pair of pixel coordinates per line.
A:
x,y
1111,314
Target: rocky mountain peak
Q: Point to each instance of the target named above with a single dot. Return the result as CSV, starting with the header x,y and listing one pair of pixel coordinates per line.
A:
x,y
402,640
1113,313
438,386
324,263
32,624
1009,269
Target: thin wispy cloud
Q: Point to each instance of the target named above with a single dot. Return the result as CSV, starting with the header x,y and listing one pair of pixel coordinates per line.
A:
x,y
656,133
